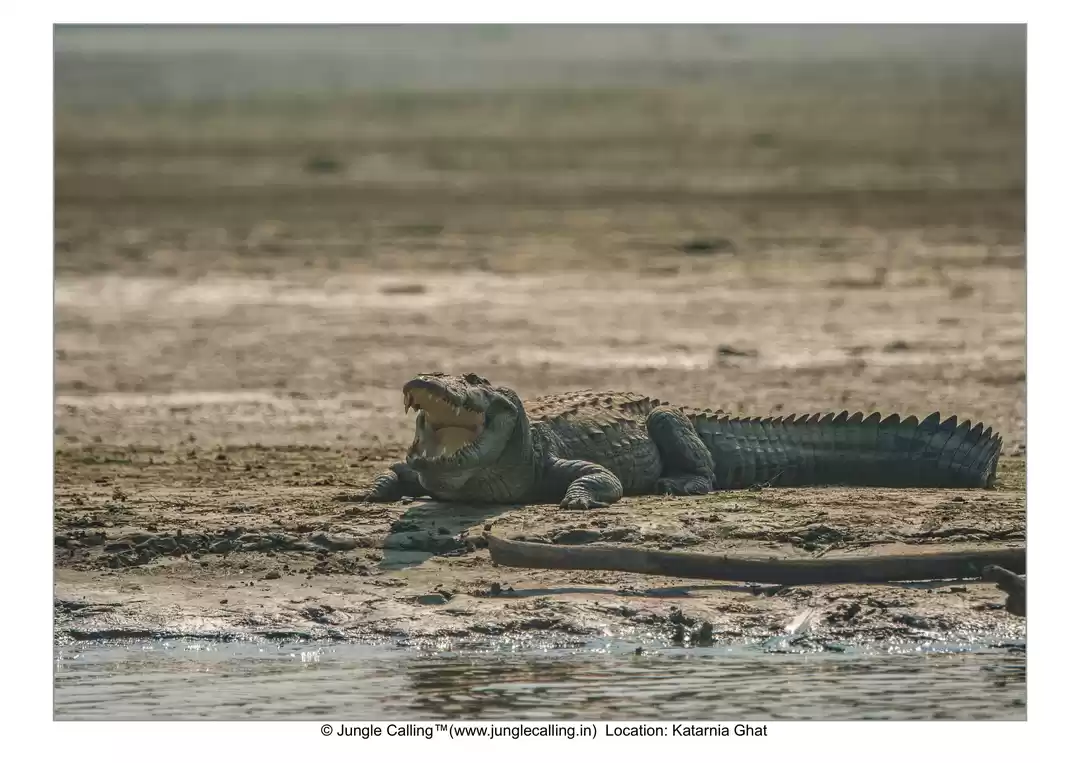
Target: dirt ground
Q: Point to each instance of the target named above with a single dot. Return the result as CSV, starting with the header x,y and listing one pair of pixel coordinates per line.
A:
x,y
242,290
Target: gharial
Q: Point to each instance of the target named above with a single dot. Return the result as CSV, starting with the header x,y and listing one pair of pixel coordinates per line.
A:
x,y
481,443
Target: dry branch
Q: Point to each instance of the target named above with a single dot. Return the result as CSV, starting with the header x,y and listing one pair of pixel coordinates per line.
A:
x,y
949,565
1012,584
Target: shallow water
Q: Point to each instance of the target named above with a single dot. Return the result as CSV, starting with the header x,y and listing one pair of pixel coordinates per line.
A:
x,y
295,681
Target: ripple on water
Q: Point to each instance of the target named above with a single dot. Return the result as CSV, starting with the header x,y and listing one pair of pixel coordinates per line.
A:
x,y
236,680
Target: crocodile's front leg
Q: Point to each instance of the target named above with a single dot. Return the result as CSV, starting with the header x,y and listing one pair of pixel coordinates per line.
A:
x,y
399,481
582,484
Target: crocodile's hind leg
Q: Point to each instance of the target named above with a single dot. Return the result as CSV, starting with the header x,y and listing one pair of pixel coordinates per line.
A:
x,y
688,465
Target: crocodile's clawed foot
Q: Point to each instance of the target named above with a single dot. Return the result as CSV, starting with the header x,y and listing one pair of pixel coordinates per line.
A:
x,y
353,497
385,489
691,485
582,502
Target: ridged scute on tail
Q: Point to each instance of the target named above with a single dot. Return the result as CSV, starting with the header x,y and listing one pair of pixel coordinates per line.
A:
x,y
848,449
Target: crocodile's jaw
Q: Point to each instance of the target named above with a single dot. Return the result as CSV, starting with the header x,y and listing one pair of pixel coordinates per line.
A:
x,y
443,429
463,428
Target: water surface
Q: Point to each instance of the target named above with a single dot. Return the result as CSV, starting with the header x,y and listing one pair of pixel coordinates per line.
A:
x,y
297,681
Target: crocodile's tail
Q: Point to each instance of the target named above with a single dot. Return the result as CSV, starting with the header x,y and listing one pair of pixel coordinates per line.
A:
x,y
850,450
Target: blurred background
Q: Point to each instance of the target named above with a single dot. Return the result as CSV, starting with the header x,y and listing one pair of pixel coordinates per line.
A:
x,y
262,233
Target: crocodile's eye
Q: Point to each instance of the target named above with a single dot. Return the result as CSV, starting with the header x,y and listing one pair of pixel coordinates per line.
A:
x,y
474,379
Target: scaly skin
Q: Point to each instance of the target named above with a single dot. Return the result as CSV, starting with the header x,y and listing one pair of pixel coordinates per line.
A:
x,y
588,449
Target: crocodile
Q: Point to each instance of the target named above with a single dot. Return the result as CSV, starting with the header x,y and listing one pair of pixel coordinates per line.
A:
x,y
480,443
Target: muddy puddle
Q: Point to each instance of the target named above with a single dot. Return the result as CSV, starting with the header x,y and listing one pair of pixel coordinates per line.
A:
x,y
771,680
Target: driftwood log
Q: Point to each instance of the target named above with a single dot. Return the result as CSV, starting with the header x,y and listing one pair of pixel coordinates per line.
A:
x,y
1012,584
948,565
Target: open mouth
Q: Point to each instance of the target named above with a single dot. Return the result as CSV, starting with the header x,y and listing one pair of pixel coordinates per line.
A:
x,y
443,427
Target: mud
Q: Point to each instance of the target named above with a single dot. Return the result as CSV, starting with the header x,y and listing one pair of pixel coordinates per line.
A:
x,y
187,542
242,290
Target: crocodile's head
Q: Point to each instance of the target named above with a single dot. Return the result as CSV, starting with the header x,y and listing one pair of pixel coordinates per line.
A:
x,y
463,425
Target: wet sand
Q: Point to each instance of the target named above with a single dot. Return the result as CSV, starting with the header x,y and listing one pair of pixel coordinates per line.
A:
x,y
215,505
